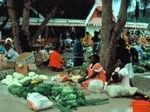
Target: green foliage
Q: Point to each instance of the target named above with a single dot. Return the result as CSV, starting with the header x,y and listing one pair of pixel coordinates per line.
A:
x,y
138,69
20,91
44,89
16,90
68,96
4,73
27,83
145,64
96,101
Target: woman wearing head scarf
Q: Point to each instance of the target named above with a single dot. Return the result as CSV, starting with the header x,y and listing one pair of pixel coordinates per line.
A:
x,y
56,60
94,71
10,53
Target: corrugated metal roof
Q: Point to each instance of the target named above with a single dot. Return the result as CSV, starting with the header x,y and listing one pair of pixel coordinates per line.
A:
x,y
95,22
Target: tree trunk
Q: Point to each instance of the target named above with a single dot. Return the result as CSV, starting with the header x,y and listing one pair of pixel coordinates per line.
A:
x,y
49,16
25,33
46,31
110,33
15,24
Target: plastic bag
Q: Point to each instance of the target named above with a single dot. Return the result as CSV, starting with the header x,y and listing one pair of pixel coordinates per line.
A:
x,y
95,85
119,91
37,101
130,70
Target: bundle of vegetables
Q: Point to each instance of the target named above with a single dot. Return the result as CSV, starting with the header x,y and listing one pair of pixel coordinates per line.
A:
x,y
76,71
20,91
34,75
11,80
28,89
18,75
56,90
44,89
90,102
146,65
21,80
60,78
16,90
68,96
146,56
148,49
75,78
6,72
68,63
138,69
59,106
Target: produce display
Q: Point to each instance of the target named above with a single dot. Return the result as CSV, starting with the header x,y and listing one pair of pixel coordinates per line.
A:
x,y
145,64
6,72
20,91
21,80
66,96
138,69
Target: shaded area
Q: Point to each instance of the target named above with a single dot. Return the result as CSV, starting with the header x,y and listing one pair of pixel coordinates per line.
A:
x,y
72,9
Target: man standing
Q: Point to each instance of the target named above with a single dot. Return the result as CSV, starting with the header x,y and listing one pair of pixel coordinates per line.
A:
x,y
78,57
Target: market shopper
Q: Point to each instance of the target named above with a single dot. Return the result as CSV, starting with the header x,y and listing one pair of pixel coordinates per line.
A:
x,y
68,42
122,52
10,53
127,37
96,42
56,60
87,40
123,73
45,56
9,41
121,81
94,71
78,56
139,50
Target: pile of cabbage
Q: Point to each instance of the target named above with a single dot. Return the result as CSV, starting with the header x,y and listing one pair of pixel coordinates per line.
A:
x,y
19,79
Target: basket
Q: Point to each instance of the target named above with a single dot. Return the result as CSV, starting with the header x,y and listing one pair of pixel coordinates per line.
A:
x,y
140,106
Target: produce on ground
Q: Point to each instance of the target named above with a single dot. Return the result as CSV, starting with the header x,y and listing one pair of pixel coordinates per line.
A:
x,y
6,72
21,80
145,64
138,69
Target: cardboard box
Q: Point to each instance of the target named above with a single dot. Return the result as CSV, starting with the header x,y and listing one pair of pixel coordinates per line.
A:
x,y
7,65
32,66
22,69
25,58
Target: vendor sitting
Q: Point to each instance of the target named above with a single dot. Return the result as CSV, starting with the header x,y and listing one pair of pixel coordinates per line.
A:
x,y
10,53
93,71
87,40
122,73
56,60
121,79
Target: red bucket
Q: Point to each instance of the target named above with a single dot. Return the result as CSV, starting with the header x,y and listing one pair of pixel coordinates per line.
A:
x,y
140,106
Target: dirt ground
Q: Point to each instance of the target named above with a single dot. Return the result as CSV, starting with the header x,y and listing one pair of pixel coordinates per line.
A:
x,y
10,103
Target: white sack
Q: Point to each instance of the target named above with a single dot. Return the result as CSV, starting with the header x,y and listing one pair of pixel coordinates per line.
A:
x,y
118,90
37,101
95,85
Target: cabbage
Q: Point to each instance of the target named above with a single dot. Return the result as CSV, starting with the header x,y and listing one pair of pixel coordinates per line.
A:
x,y
18,75
31,74
43,77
